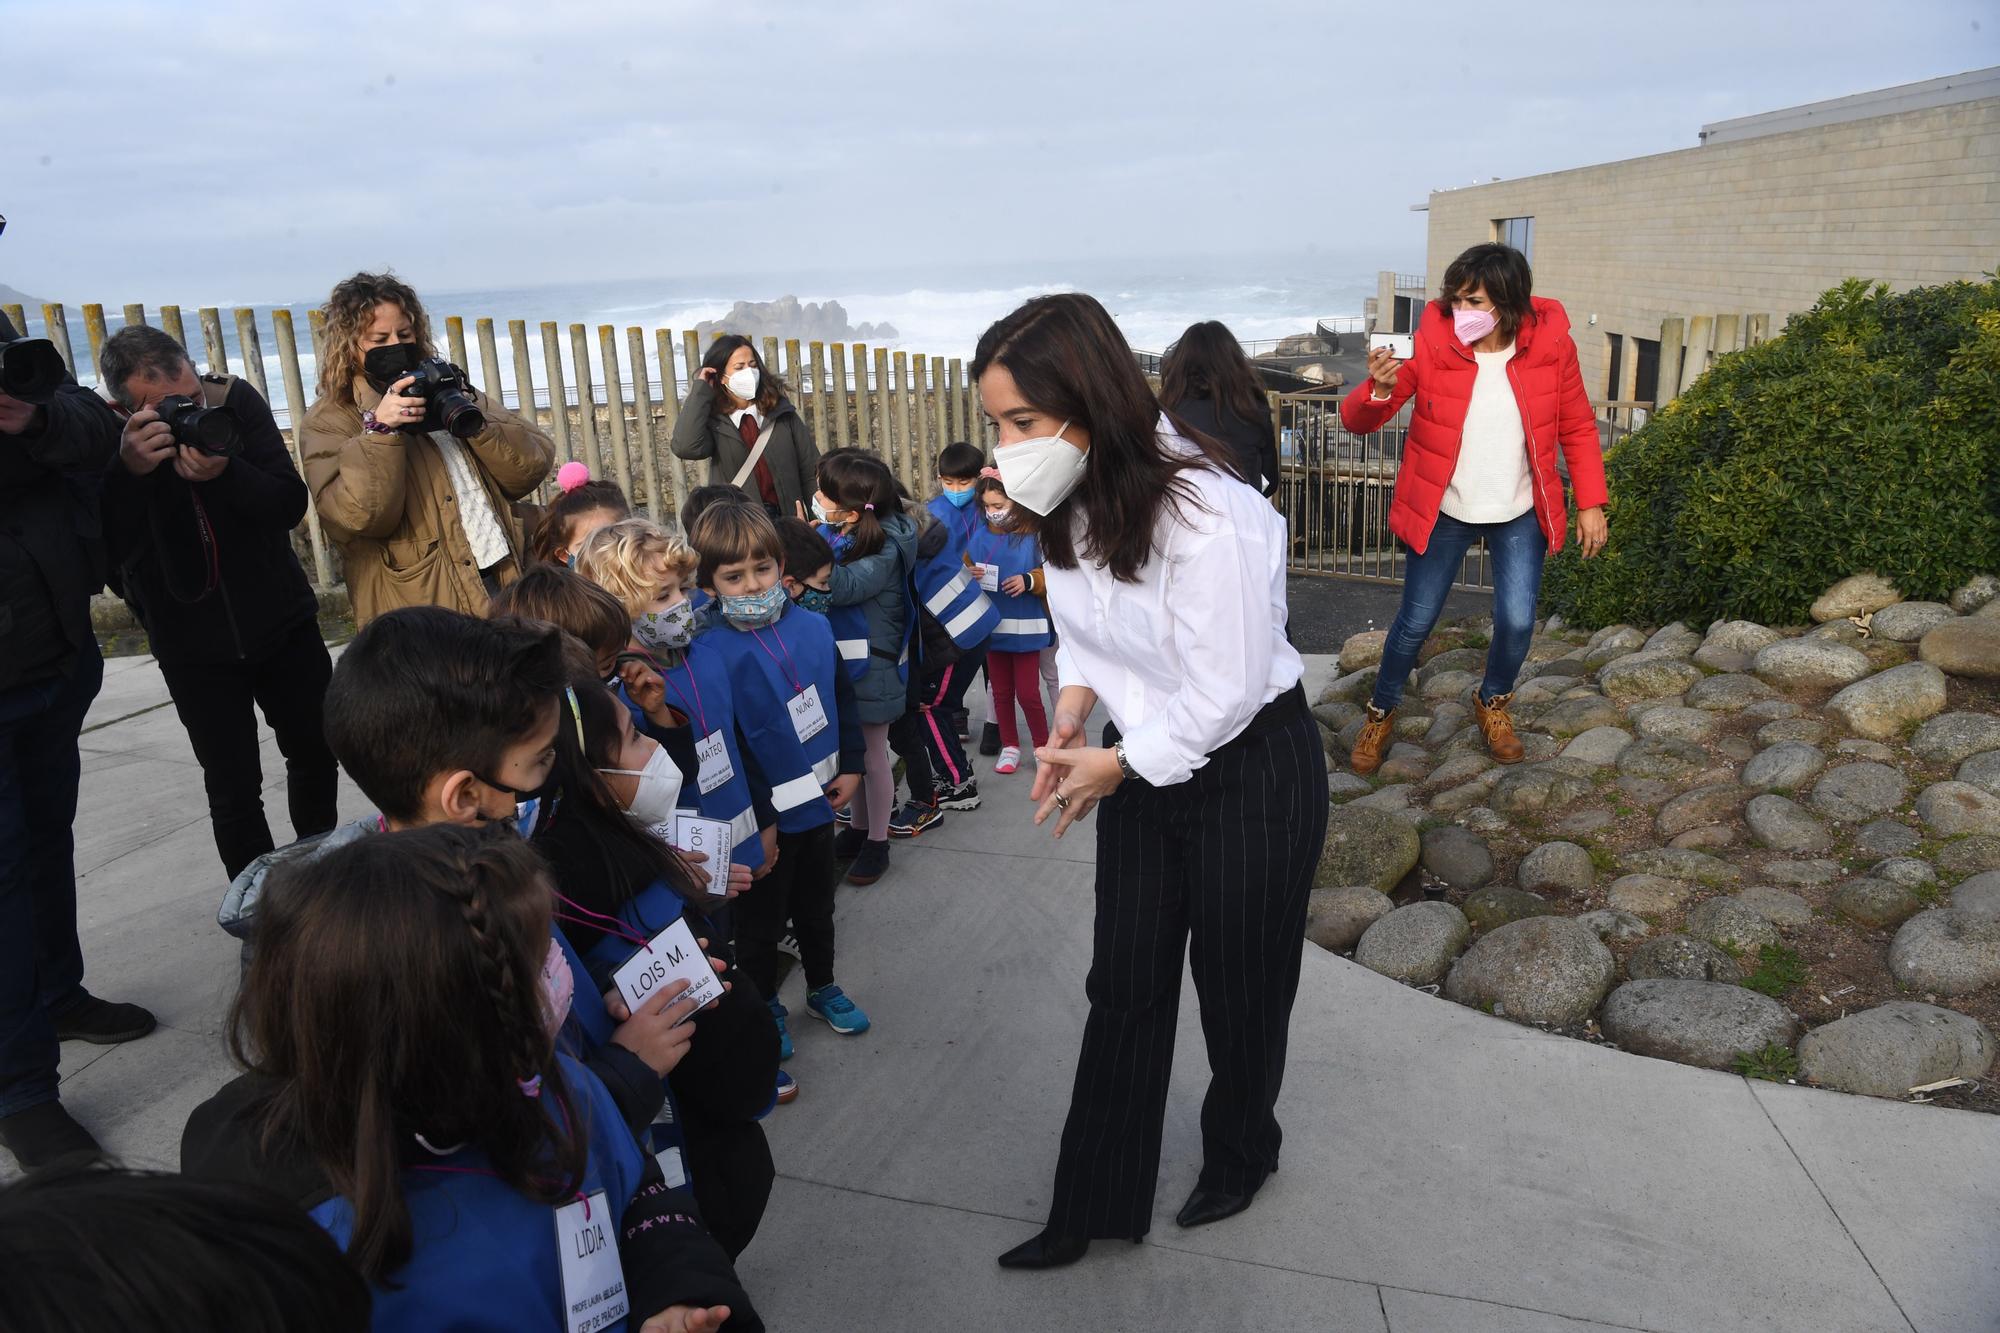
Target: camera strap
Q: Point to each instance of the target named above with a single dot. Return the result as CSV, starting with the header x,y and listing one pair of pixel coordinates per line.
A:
x,y
215,389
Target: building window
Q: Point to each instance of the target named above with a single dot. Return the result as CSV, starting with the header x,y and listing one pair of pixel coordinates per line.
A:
x,y
1517,232
1647,386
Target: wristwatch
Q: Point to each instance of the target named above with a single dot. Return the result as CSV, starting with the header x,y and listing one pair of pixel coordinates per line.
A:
x,y
1124,764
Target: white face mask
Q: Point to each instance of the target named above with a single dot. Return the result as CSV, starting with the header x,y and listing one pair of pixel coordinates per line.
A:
x,y
659,788
743,383
1040,473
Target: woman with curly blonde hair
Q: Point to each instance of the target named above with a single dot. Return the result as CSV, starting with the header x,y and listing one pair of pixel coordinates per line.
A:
x,y
423,517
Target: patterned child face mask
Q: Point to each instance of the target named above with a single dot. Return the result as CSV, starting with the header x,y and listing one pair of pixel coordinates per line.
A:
x,y
814,599
754,610
672,628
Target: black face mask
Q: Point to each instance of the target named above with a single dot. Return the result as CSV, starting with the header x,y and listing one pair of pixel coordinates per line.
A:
x,y
388,363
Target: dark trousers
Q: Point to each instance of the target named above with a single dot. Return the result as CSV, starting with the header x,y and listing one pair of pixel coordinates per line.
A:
x,y
41,963
906,739
968,666
799,888
943,698
216,702
1218,867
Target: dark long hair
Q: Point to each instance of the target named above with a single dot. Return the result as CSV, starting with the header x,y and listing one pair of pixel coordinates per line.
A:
x,y
1069,360
396,991
769,387
1208,362
863,483
1503,271
624,858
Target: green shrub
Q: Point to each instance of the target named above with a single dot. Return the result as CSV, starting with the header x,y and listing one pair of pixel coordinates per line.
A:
x,y
1865,437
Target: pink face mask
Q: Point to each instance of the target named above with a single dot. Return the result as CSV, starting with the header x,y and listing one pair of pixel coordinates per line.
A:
x,y
1472,325
557,988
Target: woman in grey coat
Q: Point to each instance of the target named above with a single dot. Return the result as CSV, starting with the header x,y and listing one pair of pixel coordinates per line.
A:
x,y
874,552
733,404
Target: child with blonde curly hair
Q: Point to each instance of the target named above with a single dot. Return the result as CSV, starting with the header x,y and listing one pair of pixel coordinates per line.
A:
x,y
651,571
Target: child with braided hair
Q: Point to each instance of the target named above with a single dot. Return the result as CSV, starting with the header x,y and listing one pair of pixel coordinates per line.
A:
x,y
407,1088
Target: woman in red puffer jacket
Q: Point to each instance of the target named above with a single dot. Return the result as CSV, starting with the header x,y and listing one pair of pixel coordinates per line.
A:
x,y
1498,391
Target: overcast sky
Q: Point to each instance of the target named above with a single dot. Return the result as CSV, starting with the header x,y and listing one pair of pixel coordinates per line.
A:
x,y
229,151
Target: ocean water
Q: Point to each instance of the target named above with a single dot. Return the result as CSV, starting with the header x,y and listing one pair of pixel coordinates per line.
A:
x,y
941,314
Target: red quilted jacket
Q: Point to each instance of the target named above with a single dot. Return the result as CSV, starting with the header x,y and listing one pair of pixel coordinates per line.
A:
x,y
1555,411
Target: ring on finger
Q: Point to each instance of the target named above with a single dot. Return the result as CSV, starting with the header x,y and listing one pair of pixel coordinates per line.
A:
x,y
1062,801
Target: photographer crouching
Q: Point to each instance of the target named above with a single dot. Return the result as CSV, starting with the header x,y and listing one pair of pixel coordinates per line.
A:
x,y
414,472
55,441
198,514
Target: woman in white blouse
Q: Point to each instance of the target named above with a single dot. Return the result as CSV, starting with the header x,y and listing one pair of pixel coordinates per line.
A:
x,y
1166,581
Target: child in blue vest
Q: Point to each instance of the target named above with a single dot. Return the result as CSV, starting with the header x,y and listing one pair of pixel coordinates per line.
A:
x,y
956,507
1010,569
406,1087
651,573
874,551
443,718
794,706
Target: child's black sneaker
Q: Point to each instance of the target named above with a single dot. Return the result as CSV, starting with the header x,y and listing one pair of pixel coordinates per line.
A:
x,y
965,796
989,739
913,818
847,843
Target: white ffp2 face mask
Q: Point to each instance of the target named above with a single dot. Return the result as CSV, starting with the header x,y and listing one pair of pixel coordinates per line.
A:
x,y
659,788
1040,473
743,383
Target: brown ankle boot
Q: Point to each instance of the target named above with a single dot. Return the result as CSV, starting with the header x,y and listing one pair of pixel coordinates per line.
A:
x,y
1501,741
1372,743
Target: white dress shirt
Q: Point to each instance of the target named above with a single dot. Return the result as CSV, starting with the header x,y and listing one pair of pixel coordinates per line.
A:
x,y
1490,484
1184,658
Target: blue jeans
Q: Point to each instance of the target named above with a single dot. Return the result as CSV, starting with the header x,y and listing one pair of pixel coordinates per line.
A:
x,y
41,963
1518,549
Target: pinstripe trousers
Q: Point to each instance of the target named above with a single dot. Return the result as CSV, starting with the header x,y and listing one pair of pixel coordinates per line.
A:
x,y
1218,867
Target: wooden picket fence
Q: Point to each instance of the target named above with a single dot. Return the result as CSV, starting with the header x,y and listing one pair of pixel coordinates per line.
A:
x,y
902,406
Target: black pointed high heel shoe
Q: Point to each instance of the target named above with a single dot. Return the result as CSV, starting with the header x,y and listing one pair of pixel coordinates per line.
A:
x,y
1206,1205
1047,1250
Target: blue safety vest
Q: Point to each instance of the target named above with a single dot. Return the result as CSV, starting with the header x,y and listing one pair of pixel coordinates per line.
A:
x,y
484,1256
771,668
949,593
1024,620
961,523
699,689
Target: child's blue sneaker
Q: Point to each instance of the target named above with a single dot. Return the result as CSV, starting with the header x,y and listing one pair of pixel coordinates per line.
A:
x,y
841,1014
779,1012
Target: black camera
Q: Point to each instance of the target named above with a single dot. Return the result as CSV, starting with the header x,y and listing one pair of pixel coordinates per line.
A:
x,y
448,397
210,430
31,369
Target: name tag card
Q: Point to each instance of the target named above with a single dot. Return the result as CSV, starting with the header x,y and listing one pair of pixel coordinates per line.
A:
x,y
989,578
670,955
710,837
593,1282
808,716
713,755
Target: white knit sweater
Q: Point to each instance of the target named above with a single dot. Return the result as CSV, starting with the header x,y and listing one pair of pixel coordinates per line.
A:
x,y
1491,482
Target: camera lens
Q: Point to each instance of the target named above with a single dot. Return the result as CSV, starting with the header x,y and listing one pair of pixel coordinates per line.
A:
x,y
31,369
212,432
459,414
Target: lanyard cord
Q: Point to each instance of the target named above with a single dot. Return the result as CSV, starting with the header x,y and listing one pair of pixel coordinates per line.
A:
x,y
790,668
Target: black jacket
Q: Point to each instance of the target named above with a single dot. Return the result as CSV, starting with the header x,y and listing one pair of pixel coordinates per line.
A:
x,y
160,563
51,546
1252,442
702,432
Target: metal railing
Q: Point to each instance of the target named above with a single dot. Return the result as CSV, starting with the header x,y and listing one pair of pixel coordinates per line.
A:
x,y
1335,487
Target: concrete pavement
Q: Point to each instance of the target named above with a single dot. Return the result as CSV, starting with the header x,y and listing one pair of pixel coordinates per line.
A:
x,y
1444,1170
